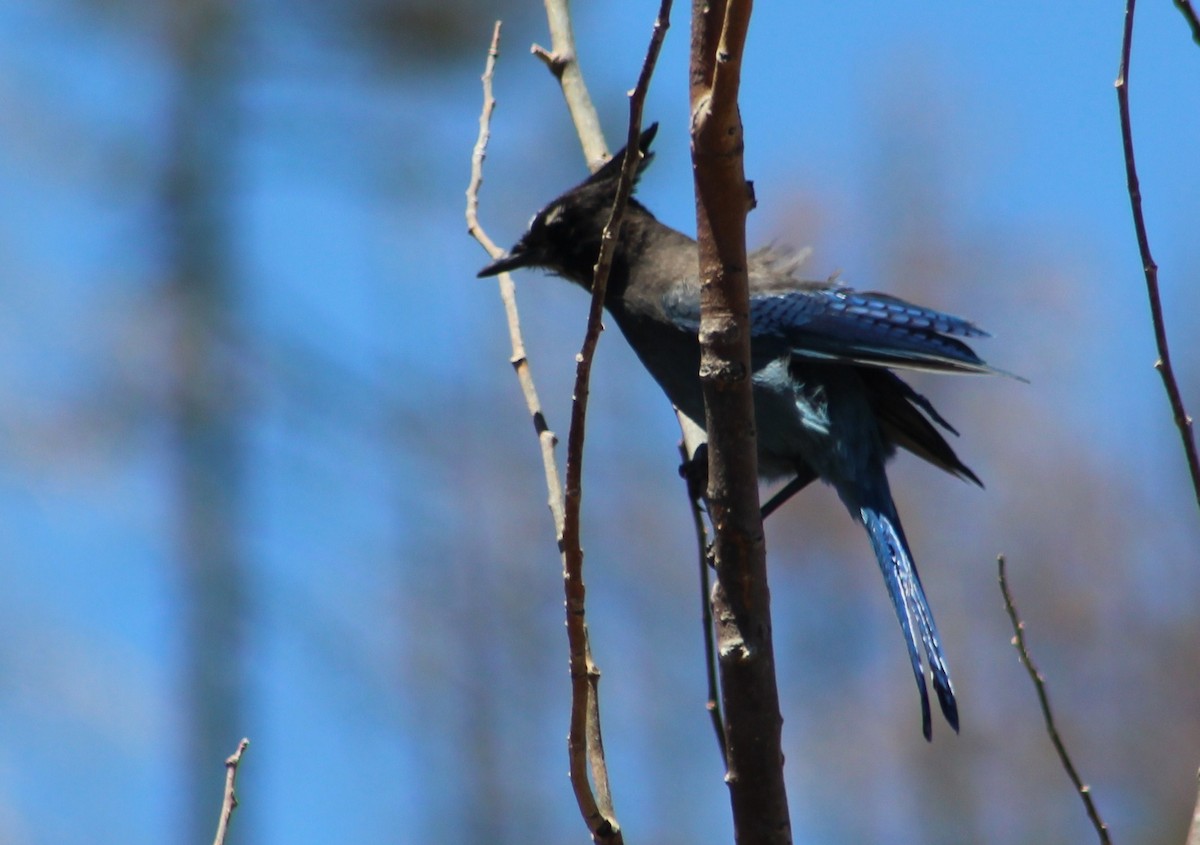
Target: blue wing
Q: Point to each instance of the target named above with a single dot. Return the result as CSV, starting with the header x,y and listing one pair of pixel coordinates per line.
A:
x,y
841,325
823,323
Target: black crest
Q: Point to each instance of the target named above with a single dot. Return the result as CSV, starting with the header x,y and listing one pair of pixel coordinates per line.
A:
x,y
564,236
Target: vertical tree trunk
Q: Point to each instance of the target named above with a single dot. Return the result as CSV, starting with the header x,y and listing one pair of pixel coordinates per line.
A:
x,y
741,599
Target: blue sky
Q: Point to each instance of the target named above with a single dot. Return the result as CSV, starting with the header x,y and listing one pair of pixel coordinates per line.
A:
x,y
381,415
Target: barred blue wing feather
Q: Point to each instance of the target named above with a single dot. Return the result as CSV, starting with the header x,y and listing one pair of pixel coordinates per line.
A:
x,y
840,325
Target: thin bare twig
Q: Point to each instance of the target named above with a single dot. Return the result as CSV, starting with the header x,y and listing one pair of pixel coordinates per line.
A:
x,y
230,800
1189,14
595,150
584,740
1182,420
585,721
585,730
520,363
1039,684
563,62
479,153
713,702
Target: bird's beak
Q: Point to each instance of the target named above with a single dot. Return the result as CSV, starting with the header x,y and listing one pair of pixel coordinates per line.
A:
x,y
505,263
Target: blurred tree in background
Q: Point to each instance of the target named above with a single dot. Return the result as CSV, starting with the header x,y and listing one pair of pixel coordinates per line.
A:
x,y
265,471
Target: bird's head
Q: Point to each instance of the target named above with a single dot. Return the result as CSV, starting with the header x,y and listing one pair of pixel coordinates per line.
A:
x,y
564,237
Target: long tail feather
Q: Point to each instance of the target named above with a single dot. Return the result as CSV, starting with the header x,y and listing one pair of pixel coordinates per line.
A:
x,y
912,608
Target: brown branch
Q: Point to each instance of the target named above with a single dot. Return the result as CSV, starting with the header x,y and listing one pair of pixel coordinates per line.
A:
x,y
520,363
1189,14
585,731
741,599
585,722
584,740
1182,420
1039,684
480,151
563,62
230,800
591,138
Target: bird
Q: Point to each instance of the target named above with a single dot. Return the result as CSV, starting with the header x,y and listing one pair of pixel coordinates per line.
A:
x,y
827,403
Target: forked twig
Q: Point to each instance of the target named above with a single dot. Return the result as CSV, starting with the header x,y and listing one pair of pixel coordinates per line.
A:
x,y
585,742
587,126
584,704
1182,421
585,738
546,438
1039,684
563,62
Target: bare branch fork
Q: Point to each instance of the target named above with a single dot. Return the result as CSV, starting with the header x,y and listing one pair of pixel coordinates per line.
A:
x,y
546,438
760,811
586,751
562,61
585,739
1182,420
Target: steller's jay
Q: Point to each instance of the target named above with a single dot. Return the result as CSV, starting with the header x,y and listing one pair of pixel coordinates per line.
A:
x,y
826,403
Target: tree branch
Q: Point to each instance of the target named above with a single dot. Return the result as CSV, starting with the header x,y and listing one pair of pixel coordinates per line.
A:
x,y
741,600
563,62
520,363
230,800
595,149
585,743
1182,420
1039,685
713,702
1189,14
585,738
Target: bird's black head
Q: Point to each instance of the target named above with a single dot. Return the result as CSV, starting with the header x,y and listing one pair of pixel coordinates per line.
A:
x,y
564,237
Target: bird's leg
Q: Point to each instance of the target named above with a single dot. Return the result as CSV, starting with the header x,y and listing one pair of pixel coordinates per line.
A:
x,y
804,477
695,472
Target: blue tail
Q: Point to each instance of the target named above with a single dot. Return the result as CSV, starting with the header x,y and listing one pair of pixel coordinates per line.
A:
x,y
908,596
